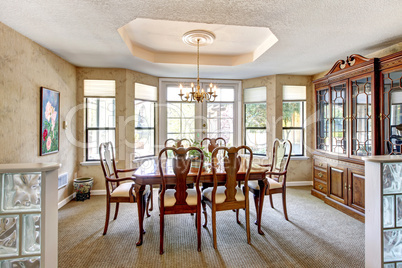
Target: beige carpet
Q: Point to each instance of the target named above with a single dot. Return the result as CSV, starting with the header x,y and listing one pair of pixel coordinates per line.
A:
x,y
316,236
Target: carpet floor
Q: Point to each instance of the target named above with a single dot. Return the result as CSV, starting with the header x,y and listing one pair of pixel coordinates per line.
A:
x,y
317,235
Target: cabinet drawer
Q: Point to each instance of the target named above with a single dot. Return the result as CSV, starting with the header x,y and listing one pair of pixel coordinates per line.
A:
x,y
320,174
320,163
319,186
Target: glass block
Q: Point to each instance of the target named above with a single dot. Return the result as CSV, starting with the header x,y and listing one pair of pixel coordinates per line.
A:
x,y
9,235
31,234
392,180
21,192
399,211
388,211
32,262
392,245
389,265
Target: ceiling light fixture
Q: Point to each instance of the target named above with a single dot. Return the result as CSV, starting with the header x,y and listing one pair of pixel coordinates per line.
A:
x,y
198,38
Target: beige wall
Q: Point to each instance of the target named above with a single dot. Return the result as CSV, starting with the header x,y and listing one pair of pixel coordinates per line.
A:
x,y
125,82
24,68
299,170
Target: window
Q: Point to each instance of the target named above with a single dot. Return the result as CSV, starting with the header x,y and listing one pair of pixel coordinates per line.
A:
x,y
100,115
144,137
194,120
255,116
180,116
293,117
220,115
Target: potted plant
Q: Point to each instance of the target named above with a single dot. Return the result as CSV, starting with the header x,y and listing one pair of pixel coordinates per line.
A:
x,y
196,159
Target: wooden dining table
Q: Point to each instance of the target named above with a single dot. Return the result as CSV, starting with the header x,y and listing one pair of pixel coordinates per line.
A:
x,y
148,174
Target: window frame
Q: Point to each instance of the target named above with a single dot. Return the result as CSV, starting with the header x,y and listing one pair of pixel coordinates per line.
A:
x,y
302,127
246,128
87,129
146,128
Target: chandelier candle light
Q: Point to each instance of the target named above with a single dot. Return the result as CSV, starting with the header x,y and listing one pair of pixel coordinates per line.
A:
x,y
197,38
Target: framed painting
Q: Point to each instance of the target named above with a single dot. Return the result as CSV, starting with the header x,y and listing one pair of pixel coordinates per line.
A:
x,y
49,121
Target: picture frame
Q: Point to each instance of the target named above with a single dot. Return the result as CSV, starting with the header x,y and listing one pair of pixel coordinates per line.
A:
x,y
49,121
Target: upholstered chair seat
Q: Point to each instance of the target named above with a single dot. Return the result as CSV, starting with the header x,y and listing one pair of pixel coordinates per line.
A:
x,y
220,194
123,190
170,199
273,184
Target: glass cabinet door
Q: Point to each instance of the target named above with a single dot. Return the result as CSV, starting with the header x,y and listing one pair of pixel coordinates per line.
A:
x,y
323,119
361,117
339,124
392,112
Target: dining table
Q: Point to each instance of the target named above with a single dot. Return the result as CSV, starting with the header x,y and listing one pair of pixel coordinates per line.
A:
x,y
148,174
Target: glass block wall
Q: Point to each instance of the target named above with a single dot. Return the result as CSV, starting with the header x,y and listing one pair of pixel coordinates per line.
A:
x,y
20,219
392,214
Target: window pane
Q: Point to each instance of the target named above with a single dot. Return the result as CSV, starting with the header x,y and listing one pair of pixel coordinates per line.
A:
x,y
144,142
256,114
173,93
220,120
188,109
180,120
296,138
227,110
144,114
101,112
256,139
174,125
225,94
292,114
96,137
173,110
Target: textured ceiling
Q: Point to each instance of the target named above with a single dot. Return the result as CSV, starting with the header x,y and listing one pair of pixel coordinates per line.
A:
x,y
312,34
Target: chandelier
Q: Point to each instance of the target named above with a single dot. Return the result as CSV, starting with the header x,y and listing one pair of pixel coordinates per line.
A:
x,y
195,38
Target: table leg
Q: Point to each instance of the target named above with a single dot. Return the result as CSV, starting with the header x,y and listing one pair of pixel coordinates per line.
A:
x,y
139,193
263,188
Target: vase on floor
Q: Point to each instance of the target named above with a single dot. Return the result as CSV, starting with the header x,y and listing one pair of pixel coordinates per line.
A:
x,y
82,188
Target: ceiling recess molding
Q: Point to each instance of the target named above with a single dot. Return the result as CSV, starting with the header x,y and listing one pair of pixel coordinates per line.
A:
x,y
162,41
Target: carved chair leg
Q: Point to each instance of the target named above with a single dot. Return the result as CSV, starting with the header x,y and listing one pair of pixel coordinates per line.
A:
x,y
107,217
256,200
214,228
162,227
284,204
148,199
204,210
199,228
116,211
270,200
151,196
237,216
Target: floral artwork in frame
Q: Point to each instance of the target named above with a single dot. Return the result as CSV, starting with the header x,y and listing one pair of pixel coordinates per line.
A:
x,y
49,121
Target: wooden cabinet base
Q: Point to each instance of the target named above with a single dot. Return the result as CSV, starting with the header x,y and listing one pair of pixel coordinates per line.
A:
x,y
345,209
318,194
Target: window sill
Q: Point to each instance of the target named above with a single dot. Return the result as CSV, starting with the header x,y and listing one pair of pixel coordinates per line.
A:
x,y
299,158
92,163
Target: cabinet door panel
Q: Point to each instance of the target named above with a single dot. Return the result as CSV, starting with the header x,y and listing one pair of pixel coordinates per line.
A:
x,y
356,190
337,183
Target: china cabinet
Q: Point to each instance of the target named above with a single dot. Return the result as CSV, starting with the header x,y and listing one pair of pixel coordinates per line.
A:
x,y
358,114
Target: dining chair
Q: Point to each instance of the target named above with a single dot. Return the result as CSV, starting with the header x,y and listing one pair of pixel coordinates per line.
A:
x,y
181,199
177,143
228,196
116,191
213,143
275,181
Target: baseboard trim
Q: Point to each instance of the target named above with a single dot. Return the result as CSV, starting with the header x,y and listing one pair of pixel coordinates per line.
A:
x,y
98,192
66,200
299,183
